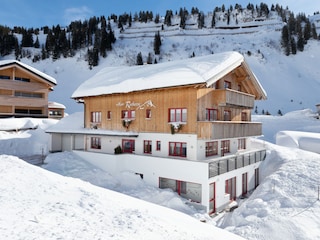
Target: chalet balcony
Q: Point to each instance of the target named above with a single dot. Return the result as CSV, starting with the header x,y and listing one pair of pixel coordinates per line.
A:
x,y
229,97
230,163
23,101
228,129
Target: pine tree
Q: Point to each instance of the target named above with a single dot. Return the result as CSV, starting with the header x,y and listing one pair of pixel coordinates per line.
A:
x,y
293,46
149,59
157,43
139,59
285,40
300,43
36,43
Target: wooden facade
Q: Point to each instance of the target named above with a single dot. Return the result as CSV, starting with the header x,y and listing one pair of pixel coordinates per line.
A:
x,y
231,95
23,90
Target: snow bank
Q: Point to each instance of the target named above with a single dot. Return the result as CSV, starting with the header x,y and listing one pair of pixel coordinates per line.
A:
x,y
38,204
285,205
303,140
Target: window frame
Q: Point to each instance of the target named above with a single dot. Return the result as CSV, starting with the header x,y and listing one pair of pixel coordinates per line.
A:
x,y
147,146
128,114
179,149
95,142
242,144
227,85
226,115
109,115
178,115
131,149
225,147
95,117
148,113
244,116
211,112
214,146
158,145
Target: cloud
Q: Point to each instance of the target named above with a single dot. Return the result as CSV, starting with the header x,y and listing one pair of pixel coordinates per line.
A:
x,y
79,13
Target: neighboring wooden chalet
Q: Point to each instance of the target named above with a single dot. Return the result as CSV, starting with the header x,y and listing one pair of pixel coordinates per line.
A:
x,y
183,125
23,90
56,110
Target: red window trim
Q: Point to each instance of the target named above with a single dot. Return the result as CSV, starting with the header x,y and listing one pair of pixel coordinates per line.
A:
x,y
147,146
214,146
132,145
95,117
158,145
208,115
131,114
181,153
175,117
95,142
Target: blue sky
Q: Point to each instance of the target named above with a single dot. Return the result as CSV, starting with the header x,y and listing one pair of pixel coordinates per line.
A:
x,y
38,13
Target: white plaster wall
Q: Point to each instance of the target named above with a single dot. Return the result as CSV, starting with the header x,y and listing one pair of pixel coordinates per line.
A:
x,y
190,171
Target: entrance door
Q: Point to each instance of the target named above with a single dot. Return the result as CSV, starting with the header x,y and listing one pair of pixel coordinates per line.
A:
x,y
212,198
128,146
231,188
244,184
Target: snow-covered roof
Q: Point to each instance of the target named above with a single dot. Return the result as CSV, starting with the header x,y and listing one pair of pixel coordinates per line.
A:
x,y
46,77
206,69
56,105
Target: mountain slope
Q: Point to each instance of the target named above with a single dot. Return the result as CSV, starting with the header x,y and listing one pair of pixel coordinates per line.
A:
x,y
291,82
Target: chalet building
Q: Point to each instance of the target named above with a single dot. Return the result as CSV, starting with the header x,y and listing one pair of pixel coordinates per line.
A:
x,y
23,90
56,110
183,125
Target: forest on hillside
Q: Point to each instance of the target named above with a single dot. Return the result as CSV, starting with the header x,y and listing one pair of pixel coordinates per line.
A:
x,y
97,36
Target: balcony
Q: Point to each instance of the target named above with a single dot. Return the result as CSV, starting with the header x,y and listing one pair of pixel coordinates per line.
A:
x,y
228,129
229,97
234,162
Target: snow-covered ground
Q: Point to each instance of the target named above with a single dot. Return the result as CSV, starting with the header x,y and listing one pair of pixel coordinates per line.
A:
x,y
68,198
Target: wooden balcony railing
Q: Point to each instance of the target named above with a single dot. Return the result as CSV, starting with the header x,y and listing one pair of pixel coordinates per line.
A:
x,y
229,97
228,129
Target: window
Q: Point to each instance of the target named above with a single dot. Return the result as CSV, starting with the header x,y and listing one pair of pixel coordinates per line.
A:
x,y
225,147
28,94
4,77
147,146
148,113
128,146
241,143
109,115
158,146
28,111
227,84
239,87
211,148
128,114
185,189
22,79
230,188
226,115
178,149
96,117
96,142
211,114
244,116
178,115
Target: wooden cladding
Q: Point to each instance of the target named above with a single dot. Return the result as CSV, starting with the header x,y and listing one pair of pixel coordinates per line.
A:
x,y
223,130
151,109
